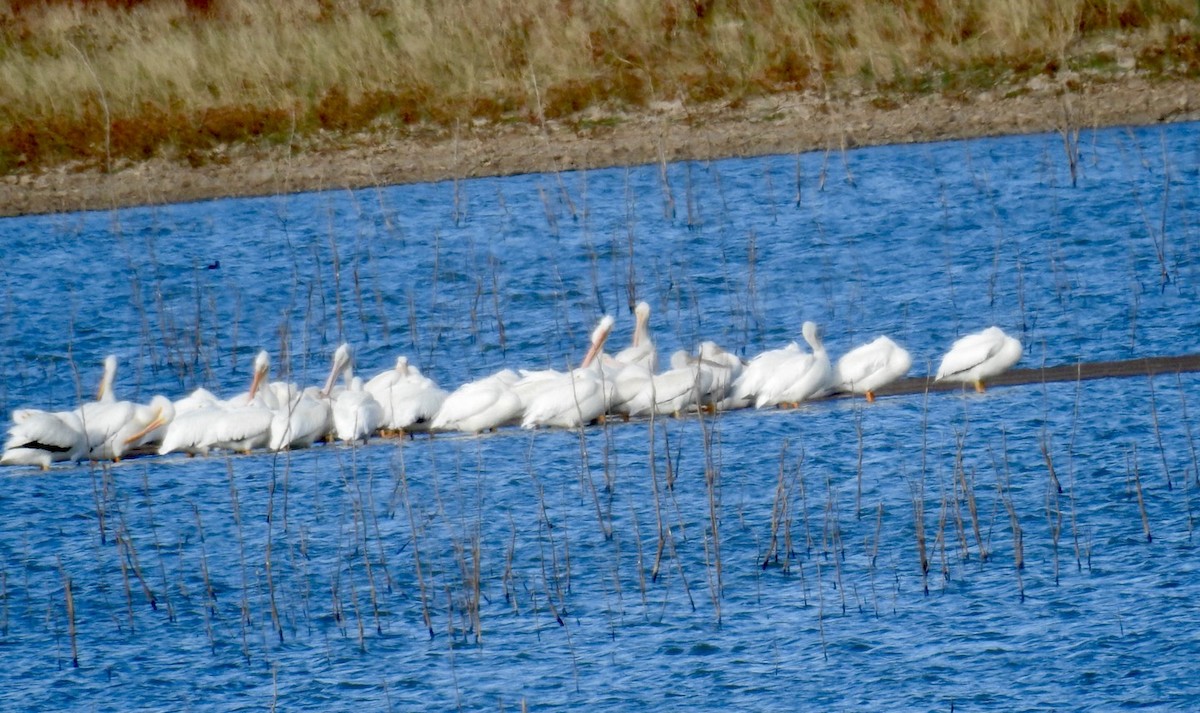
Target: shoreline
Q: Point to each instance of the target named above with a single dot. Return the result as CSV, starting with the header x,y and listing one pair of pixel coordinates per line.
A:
x,y
775,124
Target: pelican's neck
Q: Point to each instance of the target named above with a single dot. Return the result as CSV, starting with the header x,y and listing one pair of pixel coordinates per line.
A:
x,y
813,338
640,331
104,393
599,336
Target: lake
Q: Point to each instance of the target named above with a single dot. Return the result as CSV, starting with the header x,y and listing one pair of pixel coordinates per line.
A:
x,y
1026,548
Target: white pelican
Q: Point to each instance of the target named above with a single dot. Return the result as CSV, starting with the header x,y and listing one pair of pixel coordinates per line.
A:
x,y
669,393
199,430
534,382
746,387
300,419
105,416
579,397
201,422
641,351
790,377
865,368
409,399
356,413
146,428
481,405
41,437
718,370
977,356
191,431
303,418
258,380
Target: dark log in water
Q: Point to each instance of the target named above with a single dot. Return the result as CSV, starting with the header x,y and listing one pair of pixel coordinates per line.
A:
x,y
1083,371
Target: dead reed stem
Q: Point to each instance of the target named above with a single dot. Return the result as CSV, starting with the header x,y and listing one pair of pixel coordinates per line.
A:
x,y
712,477
778,509
245,618
412,524
162,568
1158,434
210,595
1053,509
917,496
1003,489
858,466
1187,425
70,602
1141,501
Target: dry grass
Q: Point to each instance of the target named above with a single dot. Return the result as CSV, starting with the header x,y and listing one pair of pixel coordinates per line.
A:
x,y
123,80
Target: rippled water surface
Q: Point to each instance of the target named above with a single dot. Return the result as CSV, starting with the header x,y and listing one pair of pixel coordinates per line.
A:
x,y
751,561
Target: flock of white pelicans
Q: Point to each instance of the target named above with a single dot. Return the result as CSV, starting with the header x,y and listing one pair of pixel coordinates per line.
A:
x,y
280,415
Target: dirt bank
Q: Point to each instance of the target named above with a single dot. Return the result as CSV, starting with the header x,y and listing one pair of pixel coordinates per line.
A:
x,y
777,124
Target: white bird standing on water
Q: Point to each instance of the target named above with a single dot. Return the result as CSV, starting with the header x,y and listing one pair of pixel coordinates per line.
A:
x,y
669,393
481,405
785,376
104,417
868,367
409,399
977,356
301,418
41,437
201,422
580,397
356,413
147,427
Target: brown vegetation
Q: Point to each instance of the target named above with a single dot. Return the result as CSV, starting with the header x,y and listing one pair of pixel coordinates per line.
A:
x,y
104,84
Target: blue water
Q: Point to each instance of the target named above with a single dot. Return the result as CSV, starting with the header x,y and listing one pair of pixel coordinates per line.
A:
x,y
516,568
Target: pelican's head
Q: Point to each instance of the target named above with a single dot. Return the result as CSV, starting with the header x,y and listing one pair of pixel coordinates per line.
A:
x,y
599,335
159,413
341,362
810,332
262,366
641,314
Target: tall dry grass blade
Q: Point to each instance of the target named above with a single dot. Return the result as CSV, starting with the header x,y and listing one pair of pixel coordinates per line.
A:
x,y
1141,501
70,604
1162,452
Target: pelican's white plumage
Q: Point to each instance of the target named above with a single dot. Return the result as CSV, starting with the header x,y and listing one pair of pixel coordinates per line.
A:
x,y
718,369
409,399
42,437
193,431
355,412
581,396
534,382
481,405
745,388
103,418
201,422
300,420
147,427
789,376
978,356
671,392
870,366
